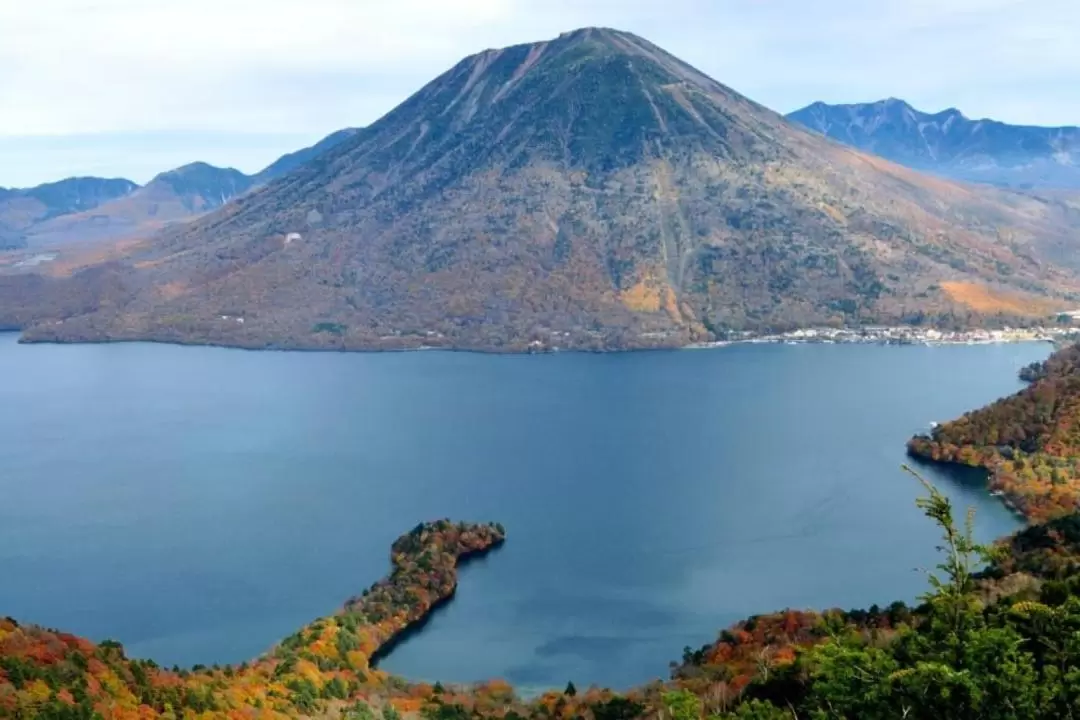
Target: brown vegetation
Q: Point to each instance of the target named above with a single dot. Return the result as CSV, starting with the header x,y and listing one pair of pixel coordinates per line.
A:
x,y
590,192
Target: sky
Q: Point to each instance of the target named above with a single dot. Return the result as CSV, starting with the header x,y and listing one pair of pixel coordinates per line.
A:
x,y
130,88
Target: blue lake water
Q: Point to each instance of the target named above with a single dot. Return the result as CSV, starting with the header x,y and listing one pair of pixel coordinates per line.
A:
x,y
198,504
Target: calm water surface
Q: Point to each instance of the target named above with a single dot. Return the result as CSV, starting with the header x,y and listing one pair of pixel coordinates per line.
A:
x,y
198,504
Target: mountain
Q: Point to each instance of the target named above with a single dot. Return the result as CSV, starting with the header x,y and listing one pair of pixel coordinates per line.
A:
x,y
174,196
591,191
21,209
200,187
93,209
287,163
949,144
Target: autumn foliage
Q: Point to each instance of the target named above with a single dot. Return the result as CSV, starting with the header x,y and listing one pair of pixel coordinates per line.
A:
x,y
325,666
1029,442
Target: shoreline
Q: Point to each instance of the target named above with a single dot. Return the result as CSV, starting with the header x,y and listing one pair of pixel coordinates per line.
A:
x,y
1024,442
332,663
311,672
991,484
925,449
896,335
868,335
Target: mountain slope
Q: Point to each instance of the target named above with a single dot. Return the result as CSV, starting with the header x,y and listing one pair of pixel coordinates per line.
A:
x,y
289,162
590,191
174,196
21,209
949,144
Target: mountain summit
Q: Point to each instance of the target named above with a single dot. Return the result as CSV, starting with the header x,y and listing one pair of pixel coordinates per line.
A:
x,y
950,144
588,191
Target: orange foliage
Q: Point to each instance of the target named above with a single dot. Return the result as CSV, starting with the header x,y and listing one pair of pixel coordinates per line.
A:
x,y
986,300
1028,442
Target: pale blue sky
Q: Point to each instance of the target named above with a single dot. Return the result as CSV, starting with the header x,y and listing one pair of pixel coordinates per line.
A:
x,y
133,87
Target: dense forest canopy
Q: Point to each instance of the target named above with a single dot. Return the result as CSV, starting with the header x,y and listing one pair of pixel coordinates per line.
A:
x,y
1029,441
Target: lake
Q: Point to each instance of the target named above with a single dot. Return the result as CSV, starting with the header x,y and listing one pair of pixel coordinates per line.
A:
x,y
198,504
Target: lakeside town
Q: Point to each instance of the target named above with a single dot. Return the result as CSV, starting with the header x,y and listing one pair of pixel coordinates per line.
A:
x,y
905,335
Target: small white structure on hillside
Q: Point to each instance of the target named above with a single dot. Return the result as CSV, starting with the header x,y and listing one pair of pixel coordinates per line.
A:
x,y
291,237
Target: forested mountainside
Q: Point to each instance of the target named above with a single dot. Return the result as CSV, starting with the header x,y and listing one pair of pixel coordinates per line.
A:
x,y
589,192
1029,442
949,144
999,644
290,161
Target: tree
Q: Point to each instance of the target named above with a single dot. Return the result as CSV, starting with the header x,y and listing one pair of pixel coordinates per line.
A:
x,y
953,595
758,710
683,705
570,690
617,708
359,711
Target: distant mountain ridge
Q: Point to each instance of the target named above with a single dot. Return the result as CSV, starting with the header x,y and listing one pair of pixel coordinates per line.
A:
x,y
589,191
94,209
949,144
205,187
22,208
173,196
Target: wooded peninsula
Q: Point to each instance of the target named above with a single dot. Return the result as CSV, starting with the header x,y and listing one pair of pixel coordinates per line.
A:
x,y
994,636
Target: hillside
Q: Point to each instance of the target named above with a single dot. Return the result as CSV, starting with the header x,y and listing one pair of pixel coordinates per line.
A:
x,y
174,196
949,144
587,192
1029,441
21,209
289,162
89,210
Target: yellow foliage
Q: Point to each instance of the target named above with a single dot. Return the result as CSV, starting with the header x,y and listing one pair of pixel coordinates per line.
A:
x,y
38,691
358,659
652,294
114,686
307,669
644,296
671,304
326,645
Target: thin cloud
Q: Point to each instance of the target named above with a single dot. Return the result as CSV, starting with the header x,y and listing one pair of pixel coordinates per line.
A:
x,y
289,67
